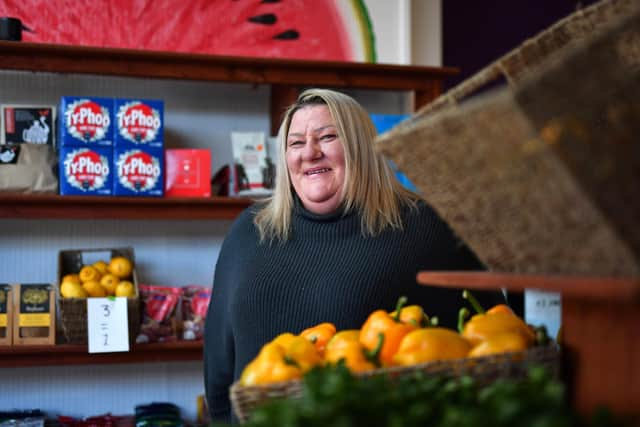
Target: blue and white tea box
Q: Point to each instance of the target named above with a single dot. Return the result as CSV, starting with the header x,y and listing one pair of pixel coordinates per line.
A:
x,y
139,123
86,171
86,121
138,171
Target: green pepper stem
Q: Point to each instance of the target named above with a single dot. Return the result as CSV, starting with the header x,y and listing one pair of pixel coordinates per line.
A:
x,y
425,320
288,360
401,302
542,336
372,355
462,316
433,321
473,301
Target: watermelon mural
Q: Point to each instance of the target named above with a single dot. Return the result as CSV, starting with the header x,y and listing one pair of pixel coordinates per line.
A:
x,y
330,30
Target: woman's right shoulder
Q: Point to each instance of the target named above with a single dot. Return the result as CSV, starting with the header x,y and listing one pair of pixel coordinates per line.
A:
x,y
244,221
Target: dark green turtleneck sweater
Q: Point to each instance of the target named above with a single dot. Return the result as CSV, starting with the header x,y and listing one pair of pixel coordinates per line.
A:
x,y
326,272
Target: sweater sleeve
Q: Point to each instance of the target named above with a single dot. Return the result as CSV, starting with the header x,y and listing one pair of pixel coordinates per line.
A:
x,y
219,349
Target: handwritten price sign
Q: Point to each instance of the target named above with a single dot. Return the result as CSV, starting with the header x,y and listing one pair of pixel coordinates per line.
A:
x,y
107,325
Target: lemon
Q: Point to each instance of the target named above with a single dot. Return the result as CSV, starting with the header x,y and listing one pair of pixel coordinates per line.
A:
x,y
125,289
120,266
89,273
70,289
94,289
109,282
71,277
101,266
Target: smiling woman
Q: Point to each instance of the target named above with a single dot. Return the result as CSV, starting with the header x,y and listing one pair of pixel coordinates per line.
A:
x,y
339,238
315,159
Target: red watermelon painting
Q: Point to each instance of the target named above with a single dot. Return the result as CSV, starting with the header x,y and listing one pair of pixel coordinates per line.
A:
x,y
330,30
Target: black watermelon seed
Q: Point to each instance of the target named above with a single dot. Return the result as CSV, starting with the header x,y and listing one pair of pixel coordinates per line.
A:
x,y
266,19
287,35
270,1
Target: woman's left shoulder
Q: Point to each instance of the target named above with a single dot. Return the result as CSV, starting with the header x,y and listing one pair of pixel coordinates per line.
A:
x,y
418,208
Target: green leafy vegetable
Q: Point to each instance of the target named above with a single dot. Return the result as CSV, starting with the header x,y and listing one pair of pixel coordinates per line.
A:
x,y
332,396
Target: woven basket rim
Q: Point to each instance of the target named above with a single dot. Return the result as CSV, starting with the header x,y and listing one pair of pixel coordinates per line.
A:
x,y
244,399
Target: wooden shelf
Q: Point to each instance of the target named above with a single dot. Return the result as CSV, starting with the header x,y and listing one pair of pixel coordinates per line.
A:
x,y
67,354
285,76
32,206
580,287
188,66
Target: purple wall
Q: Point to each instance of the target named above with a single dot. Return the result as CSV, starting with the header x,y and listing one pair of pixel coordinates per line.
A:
x,y
475,33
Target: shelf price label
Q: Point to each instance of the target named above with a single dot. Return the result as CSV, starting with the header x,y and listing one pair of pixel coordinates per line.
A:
x,y
107,325
543,308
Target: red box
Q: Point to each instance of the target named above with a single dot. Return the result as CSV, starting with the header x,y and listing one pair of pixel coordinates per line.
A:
x,y
188,172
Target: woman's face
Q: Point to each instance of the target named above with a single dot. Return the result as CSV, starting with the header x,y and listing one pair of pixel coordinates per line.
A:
x,y
315,159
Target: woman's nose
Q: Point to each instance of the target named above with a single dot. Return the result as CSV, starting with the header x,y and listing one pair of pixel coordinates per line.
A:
x,y
312,150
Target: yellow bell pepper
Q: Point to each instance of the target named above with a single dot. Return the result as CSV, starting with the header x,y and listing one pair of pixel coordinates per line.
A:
x,y
285,358
319,335
429,344
345,345
415,315
500,343
270,366
486,324
391,328
341,338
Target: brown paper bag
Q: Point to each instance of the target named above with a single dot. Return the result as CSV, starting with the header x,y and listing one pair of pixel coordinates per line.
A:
x,y
28,168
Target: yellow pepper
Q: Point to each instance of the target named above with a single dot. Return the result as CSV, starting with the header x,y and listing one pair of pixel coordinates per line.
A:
x,y
415,315
284,339
486,324
345,345
500,343
319,335
391,328
270,366
429,344
285,358
342,338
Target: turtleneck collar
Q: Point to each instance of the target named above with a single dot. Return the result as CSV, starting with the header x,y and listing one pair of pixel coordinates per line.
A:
x,y
299,209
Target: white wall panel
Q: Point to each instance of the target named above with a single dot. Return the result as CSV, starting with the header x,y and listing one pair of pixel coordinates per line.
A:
x,y
171,253
87,390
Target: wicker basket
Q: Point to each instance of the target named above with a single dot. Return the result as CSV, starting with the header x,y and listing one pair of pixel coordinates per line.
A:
x,y
245,399
73,311
540,176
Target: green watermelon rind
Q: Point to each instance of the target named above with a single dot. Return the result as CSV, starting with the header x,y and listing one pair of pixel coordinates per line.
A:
x,y
356,22
368,37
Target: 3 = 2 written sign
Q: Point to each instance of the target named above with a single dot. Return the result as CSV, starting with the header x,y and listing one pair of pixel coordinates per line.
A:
x,y
107,325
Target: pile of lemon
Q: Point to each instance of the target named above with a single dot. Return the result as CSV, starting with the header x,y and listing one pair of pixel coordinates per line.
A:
x,y
100,279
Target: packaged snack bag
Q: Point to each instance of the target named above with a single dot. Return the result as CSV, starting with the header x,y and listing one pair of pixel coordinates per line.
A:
x,y
195,300
159,323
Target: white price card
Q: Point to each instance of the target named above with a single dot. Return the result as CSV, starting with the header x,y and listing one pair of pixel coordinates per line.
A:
x,y
543,308
107,324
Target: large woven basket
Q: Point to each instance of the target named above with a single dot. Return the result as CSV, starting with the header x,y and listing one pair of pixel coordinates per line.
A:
x,y
540,175
245,399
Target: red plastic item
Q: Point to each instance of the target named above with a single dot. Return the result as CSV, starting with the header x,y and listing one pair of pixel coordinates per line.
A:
x,y
188,172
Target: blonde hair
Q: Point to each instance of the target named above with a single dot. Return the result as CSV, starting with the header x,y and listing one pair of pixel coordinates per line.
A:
x,y
370,185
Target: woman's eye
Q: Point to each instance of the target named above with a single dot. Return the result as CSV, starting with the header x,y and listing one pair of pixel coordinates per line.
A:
x,y
328,137
295,142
